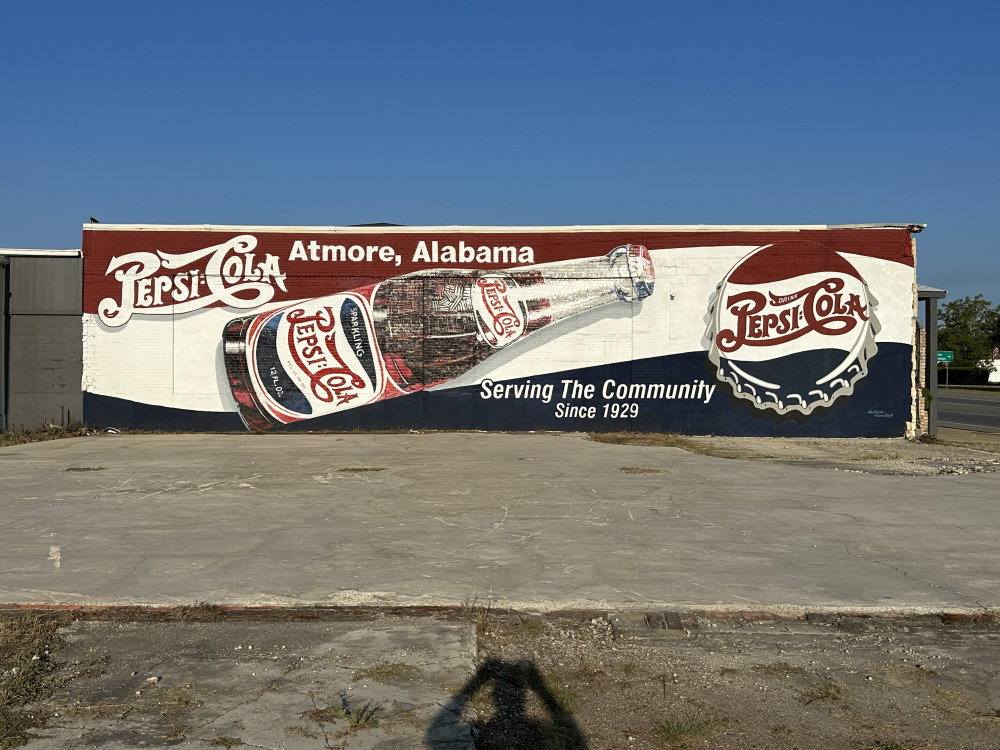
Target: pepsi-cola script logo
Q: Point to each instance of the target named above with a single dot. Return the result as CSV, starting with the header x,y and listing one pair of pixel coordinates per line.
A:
x,y
501,320
792,329
229,273
769,320
312,342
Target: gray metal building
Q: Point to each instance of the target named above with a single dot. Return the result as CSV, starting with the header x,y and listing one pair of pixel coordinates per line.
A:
x,y
41,337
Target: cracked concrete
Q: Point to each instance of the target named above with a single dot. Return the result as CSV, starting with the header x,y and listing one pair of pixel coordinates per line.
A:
x,y
531,521
223,684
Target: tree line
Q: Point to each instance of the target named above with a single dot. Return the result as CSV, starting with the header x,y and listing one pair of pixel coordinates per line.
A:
x,y
969,327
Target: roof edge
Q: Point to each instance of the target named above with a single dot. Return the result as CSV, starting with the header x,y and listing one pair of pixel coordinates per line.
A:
x,y
401,229
11,252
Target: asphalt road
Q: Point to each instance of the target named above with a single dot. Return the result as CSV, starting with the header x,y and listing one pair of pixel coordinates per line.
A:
x,y
969,411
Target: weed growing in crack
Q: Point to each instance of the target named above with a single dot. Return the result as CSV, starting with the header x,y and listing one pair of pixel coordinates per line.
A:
x,y
385,672
356,717
481,615
361,716
301,732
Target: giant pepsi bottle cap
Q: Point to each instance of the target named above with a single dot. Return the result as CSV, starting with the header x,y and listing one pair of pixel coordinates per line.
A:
x,y
792,329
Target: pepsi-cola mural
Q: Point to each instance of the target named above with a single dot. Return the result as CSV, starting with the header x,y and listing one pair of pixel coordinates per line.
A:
x,y
790,331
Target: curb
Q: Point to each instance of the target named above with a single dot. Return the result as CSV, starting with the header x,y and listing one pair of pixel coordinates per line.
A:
x,y
639,622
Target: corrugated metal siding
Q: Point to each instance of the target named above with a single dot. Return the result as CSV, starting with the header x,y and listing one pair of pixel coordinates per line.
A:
x,y
46,286
45,347
4,270
46,366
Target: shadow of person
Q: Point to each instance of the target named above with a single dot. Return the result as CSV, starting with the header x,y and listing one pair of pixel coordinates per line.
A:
x,y
509,726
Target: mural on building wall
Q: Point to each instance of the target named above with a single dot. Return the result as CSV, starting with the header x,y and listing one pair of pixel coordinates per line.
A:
x,y
797,332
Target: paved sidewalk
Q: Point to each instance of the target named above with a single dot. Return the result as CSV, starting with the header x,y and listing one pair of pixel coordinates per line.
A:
x,y
532,521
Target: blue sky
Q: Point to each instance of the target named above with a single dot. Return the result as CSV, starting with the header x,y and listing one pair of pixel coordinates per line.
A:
x,y
510,113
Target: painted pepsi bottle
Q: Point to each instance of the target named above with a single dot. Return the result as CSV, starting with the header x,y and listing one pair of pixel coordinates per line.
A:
x,y
409,333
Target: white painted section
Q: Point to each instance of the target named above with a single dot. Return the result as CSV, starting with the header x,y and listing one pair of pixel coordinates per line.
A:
x,y
165,361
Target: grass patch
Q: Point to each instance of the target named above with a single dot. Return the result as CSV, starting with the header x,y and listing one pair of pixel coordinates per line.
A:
x,y
385,673
26,675
630,669
822,692
640,470
225,741
778,667
676,732
525,628
201,612
20,436
502,626
565,698
910,671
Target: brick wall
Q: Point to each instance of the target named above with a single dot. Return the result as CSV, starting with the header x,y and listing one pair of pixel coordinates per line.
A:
x,y
920,379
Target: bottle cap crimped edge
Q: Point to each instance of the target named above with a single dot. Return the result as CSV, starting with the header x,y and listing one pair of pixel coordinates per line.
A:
x,y
838,383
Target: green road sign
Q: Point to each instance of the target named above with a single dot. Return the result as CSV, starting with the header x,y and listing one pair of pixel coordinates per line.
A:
x,y
946,356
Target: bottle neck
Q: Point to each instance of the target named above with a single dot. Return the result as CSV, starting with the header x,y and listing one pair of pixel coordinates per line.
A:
x,y
549,299
554,291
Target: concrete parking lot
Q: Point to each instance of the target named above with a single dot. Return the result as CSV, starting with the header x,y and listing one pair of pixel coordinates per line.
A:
x,y
601,594
535,521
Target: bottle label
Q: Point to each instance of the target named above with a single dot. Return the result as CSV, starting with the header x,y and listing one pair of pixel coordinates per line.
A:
x,y
317,357
500,315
